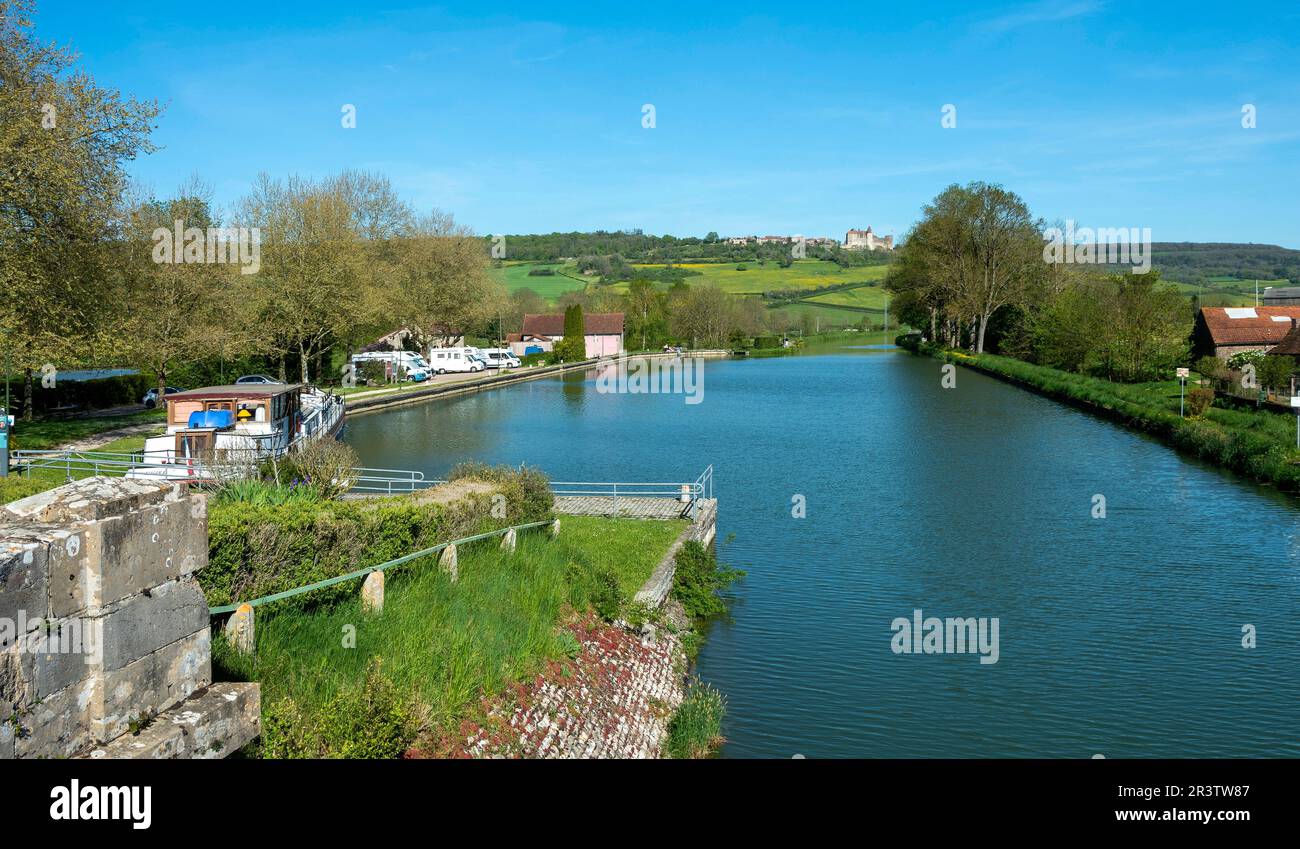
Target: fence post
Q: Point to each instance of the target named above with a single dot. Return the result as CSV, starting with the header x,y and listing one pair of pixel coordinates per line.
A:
x,y
447,561
372,593
508,541
554,530
239,629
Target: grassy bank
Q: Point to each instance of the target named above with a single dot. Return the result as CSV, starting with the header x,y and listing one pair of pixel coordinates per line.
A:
x,y
1259,444
17,486
337,681
45,434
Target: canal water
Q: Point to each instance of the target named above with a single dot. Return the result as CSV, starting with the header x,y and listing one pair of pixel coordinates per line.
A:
x,y
1120,636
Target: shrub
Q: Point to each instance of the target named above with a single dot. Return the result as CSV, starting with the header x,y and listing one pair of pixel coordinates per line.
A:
x,y
1210,368
1199,400
369,719
263,494
325,464
698,578
695,731
1274,372
595,587
527,491
371,372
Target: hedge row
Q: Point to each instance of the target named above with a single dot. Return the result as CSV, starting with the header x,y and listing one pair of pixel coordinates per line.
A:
x,y
259,550
97,394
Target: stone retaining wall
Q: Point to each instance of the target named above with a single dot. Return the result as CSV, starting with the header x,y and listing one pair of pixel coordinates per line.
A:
x,y
703,529
104,630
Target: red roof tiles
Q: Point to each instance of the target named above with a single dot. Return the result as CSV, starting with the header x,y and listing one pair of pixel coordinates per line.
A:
x,y
1248,325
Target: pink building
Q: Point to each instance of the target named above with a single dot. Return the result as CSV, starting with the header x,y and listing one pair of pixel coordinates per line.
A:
x,y
603,331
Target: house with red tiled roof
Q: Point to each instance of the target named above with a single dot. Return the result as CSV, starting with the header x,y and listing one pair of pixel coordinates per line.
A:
x,y
603,331
1224,331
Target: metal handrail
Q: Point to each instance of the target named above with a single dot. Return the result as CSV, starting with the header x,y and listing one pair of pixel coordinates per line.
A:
x,y
363,478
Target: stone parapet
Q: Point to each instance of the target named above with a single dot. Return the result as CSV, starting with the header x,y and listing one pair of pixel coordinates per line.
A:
x,y
104,629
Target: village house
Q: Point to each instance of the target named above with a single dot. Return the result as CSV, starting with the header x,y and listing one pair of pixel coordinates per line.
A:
x,y
604,333
1224,331
859,240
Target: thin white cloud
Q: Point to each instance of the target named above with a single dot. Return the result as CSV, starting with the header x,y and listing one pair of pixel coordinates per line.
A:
x,y
1050,11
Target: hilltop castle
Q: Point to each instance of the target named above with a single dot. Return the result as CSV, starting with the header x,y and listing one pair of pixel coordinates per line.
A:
x,y
857,240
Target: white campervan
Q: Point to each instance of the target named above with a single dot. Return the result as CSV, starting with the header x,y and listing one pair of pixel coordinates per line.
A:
x,y
500,358
444,360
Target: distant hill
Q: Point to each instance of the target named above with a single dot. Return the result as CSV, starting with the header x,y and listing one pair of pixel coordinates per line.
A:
x,y
1207,263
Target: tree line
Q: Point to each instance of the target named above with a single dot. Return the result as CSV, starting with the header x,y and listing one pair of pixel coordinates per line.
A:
x,y
974,273
95,270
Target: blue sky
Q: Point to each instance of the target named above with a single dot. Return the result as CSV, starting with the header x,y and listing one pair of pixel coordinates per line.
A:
x,y
785,118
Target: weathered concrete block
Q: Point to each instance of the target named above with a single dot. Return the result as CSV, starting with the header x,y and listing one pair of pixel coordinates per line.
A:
x,y
152,684
92,498
147,547
61,654
6,741
372,593
508,541
57,726
24,578
554,529
212,724
17,690
137,626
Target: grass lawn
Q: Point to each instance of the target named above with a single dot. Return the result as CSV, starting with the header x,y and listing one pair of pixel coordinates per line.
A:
x,y
15,487
45,434
448,644
637,544
514,276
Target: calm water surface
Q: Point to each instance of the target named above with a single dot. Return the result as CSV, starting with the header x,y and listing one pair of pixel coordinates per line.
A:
x,y
1119,636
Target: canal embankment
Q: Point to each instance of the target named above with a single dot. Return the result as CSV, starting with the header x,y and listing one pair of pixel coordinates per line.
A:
x,y
550,625
1258,444
370,402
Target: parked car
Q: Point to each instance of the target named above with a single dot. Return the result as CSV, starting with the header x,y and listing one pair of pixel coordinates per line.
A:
x,y
500,358
444,360
257,378
150,399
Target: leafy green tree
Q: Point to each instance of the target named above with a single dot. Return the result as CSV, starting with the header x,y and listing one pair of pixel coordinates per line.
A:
x,y
63,143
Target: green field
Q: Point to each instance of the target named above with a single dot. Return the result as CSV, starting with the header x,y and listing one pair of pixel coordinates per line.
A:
x,y
867,297
1227,291
756,279
514,276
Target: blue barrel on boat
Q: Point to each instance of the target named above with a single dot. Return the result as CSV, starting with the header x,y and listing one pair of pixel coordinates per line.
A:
x,y
219,419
